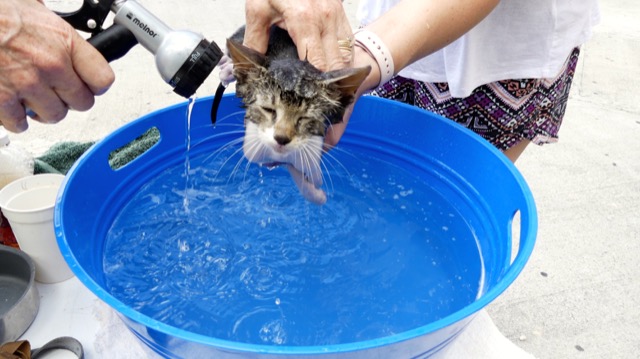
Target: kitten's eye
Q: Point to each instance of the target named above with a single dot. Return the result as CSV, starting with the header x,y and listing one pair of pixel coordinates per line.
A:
x,y
310,125
304,120
269,112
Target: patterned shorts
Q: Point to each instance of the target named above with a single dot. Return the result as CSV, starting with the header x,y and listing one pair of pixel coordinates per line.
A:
x,y
503,112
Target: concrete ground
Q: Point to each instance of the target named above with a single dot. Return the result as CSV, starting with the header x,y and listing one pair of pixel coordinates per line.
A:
x,y
579,296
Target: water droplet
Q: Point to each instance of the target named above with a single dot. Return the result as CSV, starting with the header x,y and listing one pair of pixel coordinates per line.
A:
x,y
183,246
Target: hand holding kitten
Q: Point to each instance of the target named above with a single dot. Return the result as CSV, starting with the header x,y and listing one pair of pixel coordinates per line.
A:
x,y
315,26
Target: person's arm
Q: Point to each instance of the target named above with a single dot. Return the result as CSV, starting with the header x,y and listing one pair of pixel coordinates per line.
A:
x,y
45,65
414,29
410,31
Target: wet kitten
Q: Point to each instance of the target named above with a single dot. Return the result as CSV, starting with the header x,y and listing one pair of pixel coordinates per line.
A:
x,y
289,105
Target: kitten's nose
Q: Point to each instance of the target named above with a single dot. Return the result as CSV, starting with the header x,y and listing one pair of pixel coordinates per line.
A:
x,y
281,139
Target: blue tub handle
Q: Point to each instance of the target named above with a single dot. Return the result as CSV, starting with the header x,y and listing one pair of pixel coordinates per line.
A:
x,y
516,262
170,122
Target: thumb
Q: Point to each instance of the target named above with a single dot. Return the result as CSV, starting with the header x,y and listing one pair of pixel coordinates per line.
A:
x,y
91,66
335,131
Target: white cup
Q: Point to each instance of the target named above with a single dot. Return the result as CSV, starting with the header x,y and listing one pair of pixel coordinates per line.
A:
x,y
28,205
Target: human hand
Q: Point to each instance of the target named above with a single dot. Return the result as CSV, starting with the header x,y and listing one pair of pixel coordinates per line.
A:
x,y
361,59
316,27
45,65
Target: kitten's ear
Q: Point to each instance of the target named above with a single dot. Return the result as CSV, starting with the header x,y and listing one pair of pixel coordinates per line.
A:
x,y
347,80
244,58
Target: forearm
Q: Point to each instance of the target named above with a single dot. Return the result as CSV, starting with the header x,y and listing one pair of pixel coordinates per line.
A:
x,y
416,28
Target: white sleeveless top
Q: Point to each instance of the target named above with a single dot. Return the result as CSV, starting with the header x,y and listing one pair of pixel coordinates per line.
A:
x,y
518,39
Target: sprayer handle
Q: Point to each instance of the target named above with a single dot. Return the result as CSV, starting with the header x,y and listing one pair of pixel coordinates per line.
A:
x,y
114,42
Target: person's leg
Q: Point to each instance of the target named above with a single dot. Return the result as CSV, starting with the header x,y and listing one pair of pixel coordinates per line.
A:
x,y
515,151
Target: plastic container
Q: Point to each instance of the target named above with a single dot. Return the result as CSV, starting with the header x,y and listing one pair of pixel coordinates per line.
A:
x,y
28,204
485,187
15,162
19,299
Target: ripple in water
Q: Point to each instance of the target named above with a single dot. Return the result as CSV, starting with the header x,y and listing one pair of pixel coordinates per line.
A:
x,y
250,261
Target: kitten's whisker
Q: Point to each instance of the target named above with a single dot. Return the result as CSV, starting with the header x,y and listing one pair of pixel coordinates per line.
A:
x,y
329,155
250,144
253,148
325,176
246,170
228,125
222,119
309,171
222,148
307,159
227,161
221,134
260,148
303,160
305,168
329,159
327,121
236,166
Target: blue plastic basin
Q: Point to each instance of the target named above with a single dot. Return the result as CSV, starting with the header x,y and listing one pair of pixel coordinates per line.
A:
x,y
481,183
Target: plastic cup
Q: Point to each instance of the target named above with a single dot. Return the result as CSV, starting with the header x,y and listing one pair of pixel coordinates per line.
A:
x,y
28,204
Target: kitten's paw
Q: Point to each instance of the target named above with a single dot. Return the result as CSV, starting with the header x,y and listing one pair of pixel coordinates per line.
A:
x,y
226,70
311,173
308,190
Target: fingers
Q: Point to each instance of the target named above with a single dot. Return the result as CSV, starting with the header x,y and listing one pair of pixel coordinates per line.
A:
x,y
333,55
92,69
315,26
260,15
317,33
69,81
334,133
361,59
46,104
311,48
335,50
12,116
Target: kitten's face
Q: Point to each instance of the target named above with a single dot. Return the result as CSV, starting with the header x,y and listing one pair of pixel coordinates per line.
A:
x,y
280,131
289,105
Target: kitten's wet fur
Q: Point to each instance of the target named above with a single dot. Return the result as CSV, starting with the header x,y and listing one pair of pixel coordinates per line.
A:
x,y
289,103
